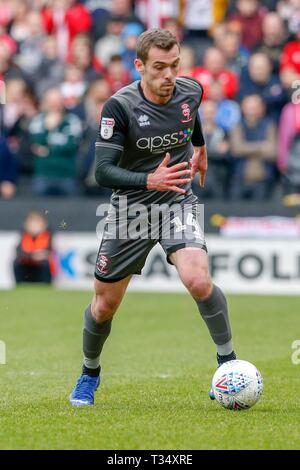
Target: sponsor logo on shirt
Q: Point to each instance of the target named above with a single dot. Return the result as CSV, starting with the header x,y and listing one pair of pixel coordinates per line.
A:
x,y
143,120
160,143
186,111
107,127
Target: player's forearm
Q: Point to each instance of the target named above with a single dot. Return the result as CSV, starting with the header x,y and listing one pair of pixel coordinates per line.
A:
x,y
200,151
109,175
199,163
200,154
113,177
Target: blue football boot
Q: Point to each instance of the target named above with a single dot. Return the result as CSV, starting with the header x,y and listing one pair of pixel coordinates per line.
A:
x,y
83,393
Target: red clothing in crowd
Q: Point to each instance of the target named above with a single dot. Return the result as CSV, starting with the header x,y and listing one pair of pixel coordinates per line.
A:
x,y
75,20
117,83
290,58
250,26
9,42
227,78
154,14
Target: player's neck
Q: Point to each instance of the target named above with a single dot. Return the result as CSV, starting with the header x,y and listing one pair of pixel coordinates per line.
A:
x,y
152,97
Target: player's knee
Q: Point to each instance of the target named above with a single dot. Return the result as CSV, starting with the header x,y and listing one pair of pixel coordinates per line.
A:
x,y
200,286
103,308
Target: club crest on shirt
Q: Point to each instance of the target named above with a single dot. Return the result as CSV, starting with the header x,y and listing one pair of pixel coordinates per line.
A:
x,y
186,111
107,127
102,264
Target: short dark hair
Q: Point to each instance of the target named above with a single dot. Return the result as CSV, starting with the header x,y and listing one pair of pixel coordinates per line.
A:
x,y
254,95
161,38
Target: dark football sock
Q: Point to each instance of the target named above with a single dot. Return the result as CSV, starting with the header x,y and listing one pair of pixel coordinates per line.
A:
x,y
229,357
94,337
215,314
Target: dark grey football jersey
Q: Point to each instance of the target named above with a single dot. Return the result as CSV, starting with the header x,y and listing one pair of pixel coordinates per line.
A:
x,y
145,131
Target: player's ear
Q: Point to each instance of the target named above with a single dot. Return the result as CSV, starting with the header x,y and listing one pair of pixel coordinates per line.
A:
x,y
139,66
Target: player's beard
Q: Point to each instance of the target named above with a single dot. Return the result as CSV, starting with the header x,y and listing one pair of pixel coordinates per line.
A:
x,y
165,90
158,89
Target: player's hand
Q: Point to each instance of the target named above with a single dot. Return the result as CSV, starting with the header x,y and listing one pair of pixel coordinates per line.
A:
x,y
199,163
167,178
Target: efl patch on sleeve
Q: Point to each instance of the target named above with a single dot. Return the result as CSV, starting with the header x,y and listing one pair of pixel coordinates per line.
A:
x,y
107,127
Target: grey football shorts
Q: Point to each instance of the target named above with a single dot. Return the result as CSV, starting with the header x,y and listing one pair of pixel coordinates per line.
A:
x,y
127,241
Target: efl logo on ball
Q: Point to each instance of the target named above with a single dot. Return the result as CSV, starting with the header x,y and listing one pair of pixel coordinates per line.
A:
x,y
237,385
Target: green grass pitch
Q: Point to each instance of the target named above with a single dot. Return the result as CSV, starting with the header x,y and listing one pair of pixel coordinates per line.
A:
x,y
157,367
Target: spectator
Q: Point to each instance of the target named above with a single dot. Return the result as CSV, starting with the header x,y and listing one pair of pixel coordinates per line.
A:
x,y
249,17
228,113
6,12
290,63
66,19
8,69
34,257
253,146
274,38
82,56
99,11
55,136
270,5
98,93
73,86
214,69
289,153
111,43
216,182
198,18
19,133
16,90
258,79
123,9
117,75
50,73
18,29
129,38
8,171
120,11
236,56
172,25
155,13
289,10
7,40
188,66
30,54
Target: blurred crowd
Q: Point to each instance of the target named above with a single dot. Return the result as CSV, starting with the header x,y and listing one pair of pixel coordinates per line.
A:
x,y
60,60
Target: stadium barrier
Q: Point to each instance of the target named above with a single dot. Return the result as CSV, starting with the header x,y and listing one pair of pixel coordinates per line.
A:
x,y
239,265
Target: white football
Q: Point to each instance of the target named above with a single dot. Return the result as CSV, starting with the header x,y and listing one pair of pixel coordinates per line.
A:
x,y
237,385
